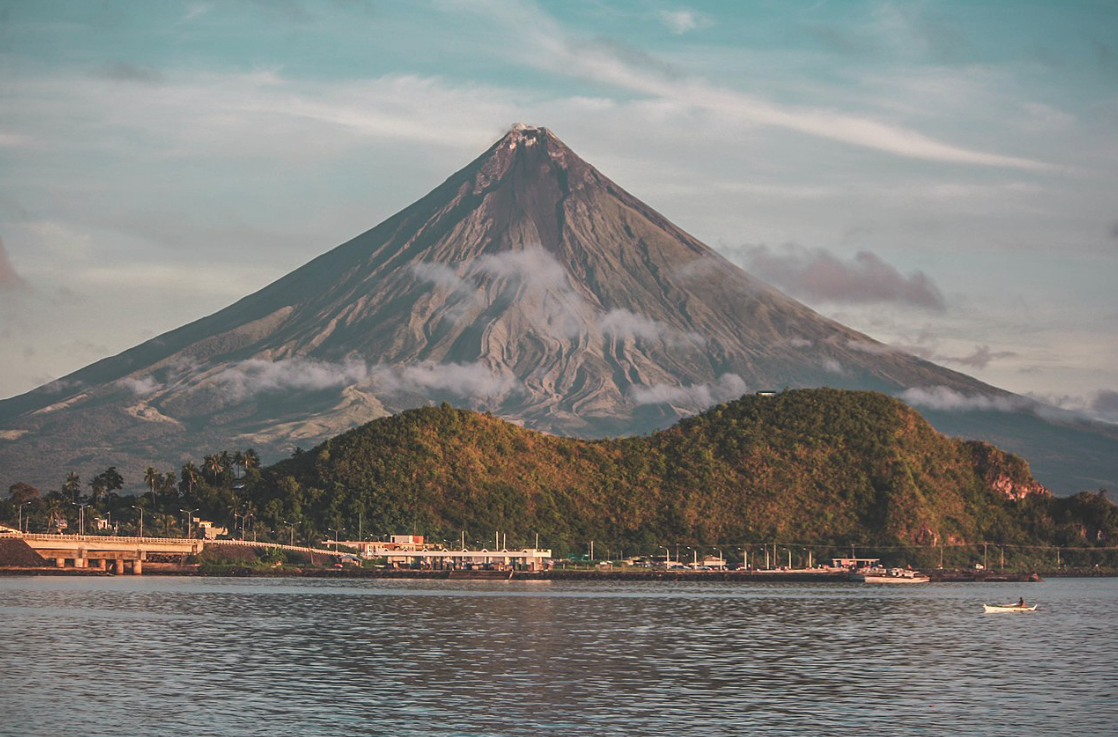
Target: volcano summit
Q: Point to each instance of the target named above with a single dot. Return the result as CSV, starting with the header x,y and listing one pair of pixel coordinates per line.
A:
x,y
527,284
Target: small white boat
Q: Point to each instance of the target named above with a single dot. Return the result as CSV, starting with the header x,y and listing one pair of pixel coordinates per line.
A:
x,y
991,608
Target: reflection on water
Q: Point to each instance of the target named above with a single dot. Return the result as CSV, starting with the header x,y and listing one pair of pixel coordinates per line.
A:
x,y
169,656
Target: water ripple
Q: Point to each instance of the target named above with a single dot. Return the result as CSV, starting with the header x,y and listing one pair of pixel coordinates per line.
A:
x,y
306,657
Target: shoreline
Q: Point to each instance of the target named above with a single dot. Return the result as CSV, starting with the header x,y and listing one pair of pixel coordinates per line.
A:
x,y
552,575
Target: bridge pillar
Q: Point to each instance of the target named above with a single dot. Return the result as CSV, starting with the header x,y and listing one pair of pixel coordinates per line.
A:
x,y
137,567
119,566
60,562
99,563
80,562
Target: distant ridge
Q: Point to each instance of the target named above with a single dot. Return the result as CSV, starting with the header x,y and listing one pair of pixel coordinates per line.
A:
x,y
527,284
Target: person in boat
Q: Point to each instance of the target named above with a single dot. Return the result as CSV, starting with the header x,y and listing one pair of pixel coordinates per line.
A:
x,y
1021,602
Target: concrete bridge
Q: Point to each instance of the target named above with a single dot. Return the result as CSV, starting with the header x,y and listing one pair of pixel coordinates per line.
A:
x,y
127,554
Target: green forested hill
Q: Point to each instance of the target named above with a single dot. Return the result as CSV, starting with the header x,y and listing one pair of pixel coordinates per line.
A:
x,y
820,465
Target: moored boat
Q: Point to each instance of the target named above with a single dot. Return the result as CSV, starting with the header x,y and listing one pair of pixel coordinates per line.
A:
x,y
891,575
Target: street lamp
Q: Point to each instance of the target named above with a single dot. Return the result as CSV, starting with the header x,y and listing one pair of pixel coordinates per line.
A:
x,y
291,526
189,513
81,507
21,506
141,519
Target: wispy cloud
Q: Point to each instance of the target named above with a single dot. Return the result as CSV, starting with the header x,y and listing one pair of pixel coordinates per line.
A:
x,y
1105,402
694,396
979,358
621,323
142,386
124,72
9,278
247,379
949,400
542,286
539,284
815,273
462,296
467,380
196,10
1100,405
533,267
58,386
681,21
545,43
925,347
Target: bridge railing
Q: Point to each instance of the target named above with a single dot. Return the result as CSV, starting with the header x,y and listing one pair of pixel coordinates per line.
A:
x,y
46,537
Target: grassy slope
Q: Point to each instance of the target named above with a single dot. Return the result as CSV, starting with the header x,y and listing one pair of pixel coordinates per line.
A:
x,y
822,465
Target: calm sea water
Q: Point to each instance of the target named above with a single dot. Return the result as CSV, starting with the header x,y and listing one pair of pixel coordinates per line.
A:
x,y
178,656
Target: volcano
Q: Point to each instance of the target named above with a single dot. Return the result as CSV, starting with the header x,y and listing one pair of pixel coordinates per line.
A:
x,y
527,284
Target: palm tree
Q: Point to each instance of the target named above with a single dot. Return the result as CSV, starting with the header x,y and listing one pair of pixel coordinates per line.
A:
x,y
252,460
226,460
169,483
239,462
151,478
72,486
54,511
189,476
212,463
96,488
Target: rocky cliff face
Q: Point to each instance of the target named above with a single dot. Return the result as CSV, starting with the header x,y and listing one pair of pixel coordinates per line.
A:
x,y
1003,473
527,284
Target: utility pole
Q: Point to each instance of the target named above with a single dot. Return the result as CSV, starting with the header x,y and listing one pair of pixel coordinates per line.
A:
x,y
985,555
591,551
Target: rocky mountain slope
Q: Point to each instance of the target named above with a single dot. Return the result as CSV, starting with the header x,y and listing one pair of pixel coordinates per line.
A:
x,y
527,284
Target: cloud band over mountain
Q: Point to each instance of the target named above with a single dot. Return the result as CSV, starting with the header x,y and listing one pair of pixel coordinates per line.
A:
x,y
817,274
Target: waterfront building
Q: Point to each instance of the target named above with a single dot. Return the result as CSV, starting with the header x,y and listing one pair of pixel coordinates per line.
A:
x,y
407,551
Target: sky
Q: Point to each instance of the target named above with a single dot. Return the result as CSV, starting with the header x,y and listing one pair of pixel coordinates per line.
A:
x,y
942,176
